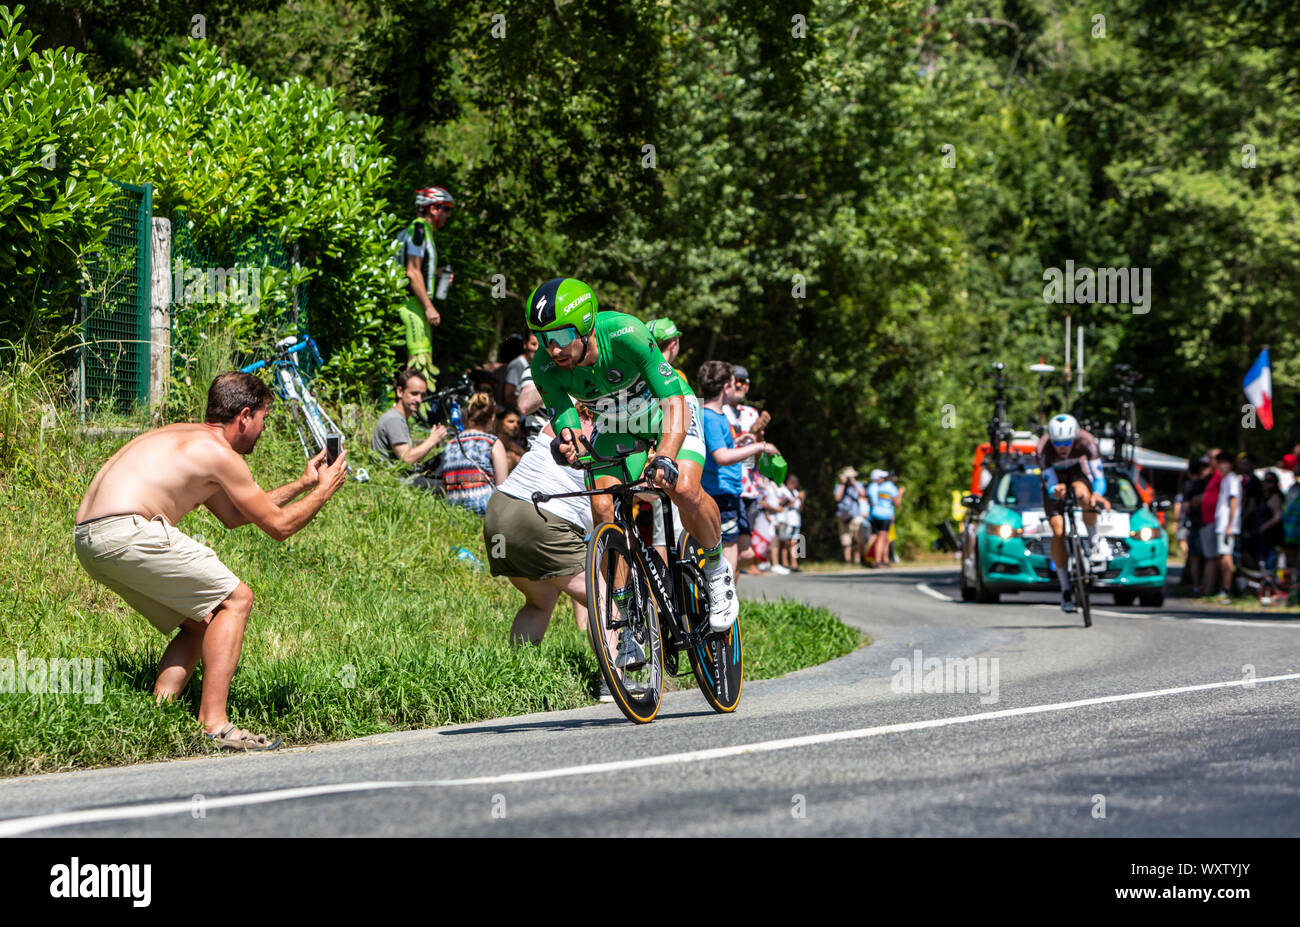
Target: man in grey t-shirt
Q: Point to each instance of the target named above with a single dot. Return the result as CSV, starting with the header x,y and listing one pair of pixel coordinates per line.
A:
x,y
391,438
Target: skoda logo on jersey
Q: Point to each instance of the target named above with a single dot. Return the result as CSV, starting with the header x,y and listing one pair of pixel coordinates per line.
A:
x,y
621,331
614,375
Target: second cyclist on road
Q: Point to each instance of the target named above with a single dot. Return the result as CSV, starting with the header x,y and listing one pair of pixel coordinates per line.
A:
x,y
1069,456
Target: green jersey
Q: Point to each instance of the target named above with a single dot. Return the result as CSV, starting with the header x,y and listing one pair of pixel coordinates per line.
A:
x,y
622,387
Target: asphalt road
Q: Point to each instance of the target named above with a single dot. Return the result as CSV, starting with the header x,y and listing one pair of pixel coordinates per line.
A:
x,y
1050,729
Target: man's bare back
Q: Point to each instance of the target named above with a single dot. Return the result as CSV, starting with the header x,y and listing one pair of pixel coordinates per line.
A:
x,y
169,471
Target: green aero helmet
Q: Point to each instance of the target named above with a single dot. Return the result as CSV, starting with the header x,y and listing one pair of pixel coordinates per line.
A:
x,y
561,302
662,330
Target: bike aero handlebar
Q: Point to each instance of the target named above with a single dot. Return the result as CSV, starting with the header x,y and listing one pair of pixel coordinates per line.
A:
x,y
284,353
588,460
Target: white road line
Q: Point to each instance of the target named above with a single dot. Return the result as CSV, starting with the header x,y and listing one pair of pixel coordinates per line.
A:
x,y
934,594
15,826
1152,616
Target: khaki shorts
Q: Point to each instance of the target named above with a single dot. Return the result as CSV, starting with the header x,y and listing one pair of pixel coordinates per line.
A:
x,y
522,545
856,528
163,574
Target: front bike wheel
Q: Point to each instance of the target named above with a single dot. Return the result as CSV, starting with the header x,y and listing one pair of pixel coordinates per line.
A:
x,y
610,567
718,661
1081,579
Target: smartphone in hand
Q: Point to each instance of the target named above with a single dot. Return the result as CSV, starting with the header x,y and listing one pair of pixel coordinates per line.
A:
x,y
333,447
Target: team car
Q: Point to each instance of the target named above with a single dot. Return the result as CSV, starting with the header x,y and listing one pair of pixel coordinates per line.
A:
x,y
1007,540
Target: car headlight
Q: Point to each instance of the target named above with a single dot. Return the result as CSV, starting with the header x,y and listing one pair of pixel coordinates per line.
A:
x,y
1003,531
1143,534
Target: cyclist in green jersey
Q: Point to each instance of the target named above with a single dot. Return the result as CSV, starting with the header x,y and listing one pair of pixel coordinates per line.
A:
x,y
610,361
418,257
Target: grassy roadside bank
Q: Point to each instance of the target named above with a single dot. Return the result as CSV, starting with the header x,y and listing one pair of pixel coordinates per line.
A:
x,y
364,622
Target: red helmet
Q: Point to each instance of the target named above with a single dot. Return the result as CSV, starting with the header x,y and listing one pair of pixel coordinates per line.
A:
x,y
431,195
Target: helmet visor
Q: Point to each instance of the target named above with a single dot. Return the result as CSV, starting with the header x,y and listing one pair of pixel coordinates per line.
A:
x,y
560,337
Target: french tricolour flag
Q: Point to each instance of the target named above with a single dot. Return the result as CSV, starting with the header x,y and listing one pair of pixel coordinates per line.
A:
x,y
1259,389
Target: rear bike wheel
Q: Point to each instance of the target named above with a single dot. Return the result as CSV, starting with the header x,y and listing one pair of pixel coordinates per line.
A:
x,y
610,566
718,661
1081,579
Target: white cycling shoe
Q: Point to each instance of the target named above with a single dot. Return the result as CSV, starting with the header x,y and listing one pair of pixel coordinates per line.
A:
x,y
631,654
724,607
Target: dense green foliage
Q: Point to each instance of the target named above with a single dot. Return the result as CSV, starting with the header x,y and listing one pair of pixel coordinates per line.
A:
x,y
799,211
51,116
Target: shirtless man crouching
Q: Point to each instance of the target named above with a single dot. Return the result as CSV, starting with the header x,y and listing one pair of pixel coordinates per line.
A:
x,y
126,538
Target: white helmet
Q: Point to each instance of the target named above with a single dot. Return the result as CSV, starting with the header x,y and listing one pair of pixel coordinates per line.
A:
x,y
1063,429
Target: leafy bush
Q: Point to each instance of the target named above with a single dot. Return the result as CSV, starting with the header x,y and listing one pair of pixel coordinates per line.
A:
x,y
51,117
237,154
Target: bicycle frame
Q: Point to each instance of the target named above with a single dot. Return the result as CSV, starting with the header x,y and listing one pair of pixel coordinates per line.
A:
x,y
665,588
308,416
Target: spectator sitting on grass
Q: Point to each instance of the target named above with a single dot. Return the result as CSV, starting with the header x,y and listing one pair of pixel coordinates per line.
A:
x,y
475,459
126,538
391,438
510,429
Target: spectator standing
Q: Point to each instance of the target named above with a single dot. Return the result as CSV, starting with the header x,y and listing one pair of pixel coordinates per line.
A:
x,y
722,459
1227,522
391,438
1291,528
515,371
882,494
747,420
1193,491
475,460
1251,494
1265,520
418,257
791,523
849,494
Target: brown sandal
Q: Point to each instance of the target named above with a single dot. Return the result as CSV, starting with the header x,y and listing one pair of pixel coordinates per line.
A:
x,y
232,738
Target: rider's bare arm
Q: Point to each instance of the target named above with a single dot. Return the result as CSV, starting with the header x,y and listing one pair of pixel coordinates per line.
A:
x,y
259,508
672,431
